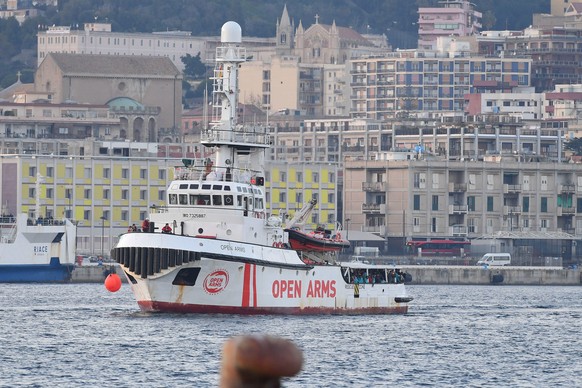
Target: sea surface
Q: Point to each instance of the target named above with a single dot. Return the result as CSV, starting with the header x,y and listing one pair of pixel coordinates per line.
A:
x,y
80,335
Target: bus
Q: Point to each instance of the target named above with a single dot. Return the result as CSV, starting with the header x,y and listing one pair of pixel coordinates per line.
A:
x,y
440,247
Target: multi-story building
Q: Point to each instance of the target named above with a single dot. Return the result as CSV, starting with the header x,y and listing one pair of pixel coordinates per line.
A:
x,y
97,38
408,82
401,197
556,53
146,93
110,186
452,18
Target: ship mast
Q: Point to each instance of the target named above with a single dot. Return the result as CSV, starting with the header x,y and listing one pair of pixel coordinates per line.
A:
x,y
231,139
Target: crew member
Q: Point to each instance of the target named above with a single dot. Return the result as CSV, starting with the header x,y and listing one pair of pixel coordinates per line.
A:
x,y
167,228
145,225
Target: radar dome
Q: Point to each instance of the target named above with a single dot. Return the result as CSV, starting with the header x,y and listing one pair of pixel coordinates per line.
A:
x,y
231,33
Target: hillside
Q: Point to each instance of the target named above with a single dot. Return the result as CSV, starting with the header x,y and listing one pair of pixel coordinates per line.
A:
x,y
395,18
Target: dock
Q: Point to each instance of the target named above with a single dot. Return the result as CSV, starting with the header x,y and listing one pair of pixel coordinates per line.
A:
x,y
95,273
480,275
421,274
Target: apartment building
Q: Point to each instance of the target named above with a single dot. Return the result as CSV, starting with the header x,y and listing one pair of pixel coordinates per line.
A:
x,y
404,198
452,18
408,82
556,53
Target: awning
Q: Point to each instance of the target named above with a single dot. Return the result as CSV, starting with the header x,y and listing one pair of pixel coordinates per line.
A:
x,y
356,235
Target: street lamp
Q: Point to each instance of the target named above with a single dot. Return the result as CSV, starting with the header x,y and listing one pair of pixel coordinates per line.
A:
x,y
103,218
348,229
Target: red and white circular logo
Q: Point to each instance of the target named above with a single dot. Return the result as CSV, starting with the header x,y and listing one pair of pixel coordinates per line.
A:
x,y
216,281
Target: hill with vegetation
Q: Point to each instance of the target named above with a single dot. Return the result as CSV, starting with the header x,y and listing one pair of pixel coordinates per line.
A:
x,y
395,18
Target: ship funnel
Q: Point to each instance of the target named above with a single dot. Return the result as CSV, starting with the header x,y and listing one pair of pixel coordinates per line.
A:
x,y
231,33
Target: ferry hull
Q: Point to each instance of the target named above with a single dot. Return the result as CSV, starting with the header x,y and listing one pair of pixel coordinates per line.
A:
x,y
169,276
36,273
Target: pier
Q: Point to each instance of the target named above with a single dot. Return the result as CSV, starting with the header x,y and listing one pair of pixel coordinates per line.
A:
x,y
509,275
421,274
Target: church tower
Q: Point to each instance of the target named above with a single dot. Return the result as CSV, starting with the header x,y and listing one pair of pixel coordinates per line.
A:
x,y
285,35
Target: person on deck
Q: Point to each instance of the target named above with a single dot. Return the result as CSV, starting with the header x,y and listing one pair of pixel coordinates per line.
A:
x,y
167,228
145,225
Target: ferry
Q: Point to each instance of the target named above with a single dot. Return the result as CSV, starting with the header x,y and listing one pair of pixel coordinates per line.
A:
x,y
36,250
214,248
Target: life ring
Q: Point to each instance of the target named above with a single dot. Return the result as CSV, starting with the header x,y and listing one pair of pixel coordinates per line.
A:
x,y
228,200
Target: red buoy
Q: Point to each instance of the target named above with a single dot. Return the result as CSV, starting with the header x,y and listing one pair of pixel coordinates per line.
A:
x,y
113,282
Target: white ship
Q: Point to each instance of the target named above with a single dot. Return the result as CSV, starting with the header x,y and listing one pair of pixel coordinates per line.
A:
x,y
36,251
225,253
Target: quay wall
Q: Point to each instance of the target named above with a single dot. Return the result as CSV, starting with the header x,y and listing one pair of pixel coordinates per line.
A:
x,y
475,275
421,274
95,273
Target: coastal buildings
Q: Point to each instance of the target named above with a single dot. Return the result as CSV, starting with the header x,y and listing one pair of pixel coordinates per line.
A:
x,y
146,92
519,200
409,82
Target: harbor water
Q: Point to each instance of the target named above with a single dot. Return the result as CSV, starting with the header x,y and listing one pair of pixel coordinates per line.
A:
x,y
80,335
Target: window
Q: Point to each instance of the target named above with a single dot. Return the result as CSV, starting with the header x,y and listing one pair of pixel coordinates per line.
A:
x,y
106,172
125,173
143,173
87,215
283,176
125,194
435,202
69,193
49,193
162,174
489,204
87,194
299,197
433,225
578,205
416,205
105,193
282,197
161,195
299,176
331,177
124,215
315,177
32,171
87,173
471,203
331,198
525,203
49,171
544,205
68,172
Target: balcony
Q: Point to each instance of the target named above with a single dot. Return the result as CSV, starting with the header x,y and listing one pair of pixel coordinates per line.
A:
x,y
374,186
458,230
565,211
457,187
511,210
511,189
380,229
458,209
373,208
567,188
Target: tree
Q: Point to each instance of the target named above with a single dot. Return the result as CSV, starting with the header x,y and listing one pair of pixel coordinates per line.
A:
x,y
194,68
574,145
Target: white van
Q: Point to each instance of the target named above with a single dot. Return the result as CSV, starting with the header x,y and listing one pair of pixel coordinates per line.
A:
x,y
495,259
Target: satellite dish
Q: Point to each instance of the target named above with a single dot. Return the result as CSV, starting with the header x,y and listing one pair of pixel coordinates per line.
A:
x,y
227,162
